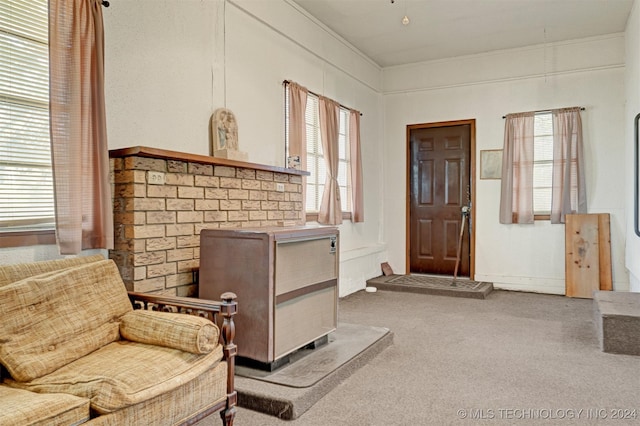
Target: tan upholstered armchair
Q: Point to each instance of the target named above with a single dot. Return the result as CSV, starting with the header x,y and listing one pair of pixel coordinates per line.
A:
x,y
74,350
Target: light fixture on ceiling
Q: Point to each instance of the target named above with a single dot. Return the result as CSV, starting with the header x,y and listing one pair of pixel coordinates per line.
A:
x,y
405,20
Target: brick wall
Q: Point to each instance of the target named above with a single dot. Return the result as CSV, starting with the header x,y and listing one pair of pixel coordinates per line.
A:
x,y
161,204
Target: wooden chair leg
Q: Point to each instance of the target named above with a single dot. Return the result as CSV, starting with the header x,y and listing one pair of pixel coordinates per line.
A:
x,y
228,416
229,309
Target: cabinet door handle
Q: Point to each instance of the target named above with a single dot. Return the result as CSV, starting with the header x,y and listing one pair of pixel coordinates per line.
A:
x,y
333,244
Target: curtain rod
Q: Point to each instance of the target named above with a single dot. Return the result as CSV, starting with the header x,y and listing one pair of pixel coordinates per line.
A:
x,y
285,82
546,111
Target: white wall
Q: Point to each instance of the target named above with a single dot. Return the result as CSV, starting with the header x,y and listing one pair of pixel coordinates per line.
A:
x,y
632,92
12,255
171,63
587,73
160,58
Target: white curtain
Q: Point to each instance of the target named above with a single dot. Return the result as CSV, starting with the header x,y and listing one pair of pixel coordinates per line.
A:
x,y
569,193
330,208
357,199
516,197
298,132
79,151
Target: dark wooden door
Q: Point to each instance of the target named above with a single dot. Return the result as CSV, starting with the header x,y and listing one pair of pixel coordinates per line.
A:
x,y
439,187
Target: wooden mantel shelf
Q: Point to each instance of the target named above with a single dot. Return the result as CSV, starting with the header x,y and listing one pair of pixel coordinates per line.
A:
x,y
144,151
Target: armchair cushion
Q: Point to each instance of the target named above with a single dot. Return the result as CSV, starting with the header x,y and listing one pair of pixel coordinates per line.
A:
x,y
13,273
53,319
185,332
20,407
124,373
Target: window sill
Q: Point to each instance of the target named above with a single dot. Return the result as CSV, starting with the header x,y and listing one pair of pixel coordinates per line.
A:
x,y
542,217
27,238
313,217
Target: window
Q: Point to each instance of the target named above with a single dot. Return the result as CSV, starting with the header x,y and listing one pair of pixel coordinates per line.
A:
x,y
544,174
26,184
315,159
542,163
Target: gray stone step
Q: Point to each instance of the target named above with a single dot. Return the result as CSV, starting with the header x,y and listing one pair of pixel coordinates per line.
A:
x,y
617,317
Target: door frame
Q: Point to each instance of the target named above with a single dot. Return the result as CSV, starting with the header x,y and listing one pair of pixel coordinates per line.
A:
x,y
472,175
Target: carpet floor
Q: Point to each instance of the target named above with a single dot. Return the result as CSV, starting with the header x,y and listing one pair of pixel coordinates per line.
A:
x,y
289,391
511,359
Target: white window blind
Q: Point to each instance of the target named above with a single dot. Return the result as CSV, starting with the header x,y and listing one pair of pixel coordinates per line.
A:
x,y
26,187
542,163
344,162
315,157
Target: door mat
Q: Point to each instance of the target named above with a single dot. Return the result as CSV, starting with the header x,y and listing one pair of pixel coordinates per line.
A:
x,y
436,285
291,390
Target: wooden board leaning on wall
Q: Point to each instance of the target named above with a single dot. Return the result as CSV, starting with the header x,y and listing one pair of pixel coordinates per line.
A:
x,y
587,254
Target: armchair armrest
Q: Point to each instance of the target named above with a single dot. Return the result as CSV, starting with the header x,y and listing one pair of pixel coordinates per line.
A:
x,y
210,309
184,332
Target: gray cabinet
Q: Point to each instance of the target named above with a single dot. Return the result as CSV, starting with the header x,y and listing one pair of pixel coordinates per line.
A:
x,y
286,280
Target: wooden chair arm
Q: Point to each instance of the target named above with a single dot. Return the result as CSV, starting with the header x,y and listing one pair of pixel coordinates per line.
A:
x,y
227,308
161,302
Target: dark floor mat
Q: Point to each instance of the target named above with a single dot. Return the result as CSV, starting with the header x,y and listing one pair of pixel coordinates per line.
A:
x,y
437,285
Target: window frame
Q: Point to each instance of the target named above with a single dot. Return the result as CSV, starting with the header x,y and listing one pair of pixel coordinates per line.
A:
x,y
27,238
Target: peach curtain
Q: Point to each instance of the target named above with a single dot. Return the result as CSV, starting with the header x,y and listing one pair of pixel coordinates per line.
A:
x,y
568,193
330,209
516,196
80,157
298,131
357,204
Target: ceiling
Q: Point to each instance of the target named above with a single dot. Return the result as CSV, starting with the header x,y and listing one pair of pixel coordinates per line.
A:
x,y
447,28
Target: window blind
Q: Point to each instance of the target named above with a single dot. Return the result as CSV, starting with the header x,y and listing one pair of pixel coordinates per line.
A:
x,y
344,176
315,158
542,163
26,184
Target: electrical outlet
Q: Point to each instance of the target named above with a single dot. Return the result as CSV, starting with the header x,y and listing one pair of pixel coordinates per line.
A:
x,y
155,178
280,187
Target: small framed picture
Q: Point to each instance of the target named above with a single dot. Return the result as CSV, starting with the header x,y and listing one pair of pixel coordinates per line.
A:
x,y
491,164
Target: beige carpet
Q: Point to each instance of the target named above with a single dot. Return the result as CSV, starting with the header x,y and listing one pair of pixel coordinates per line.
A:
x,y
291,390
515,357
